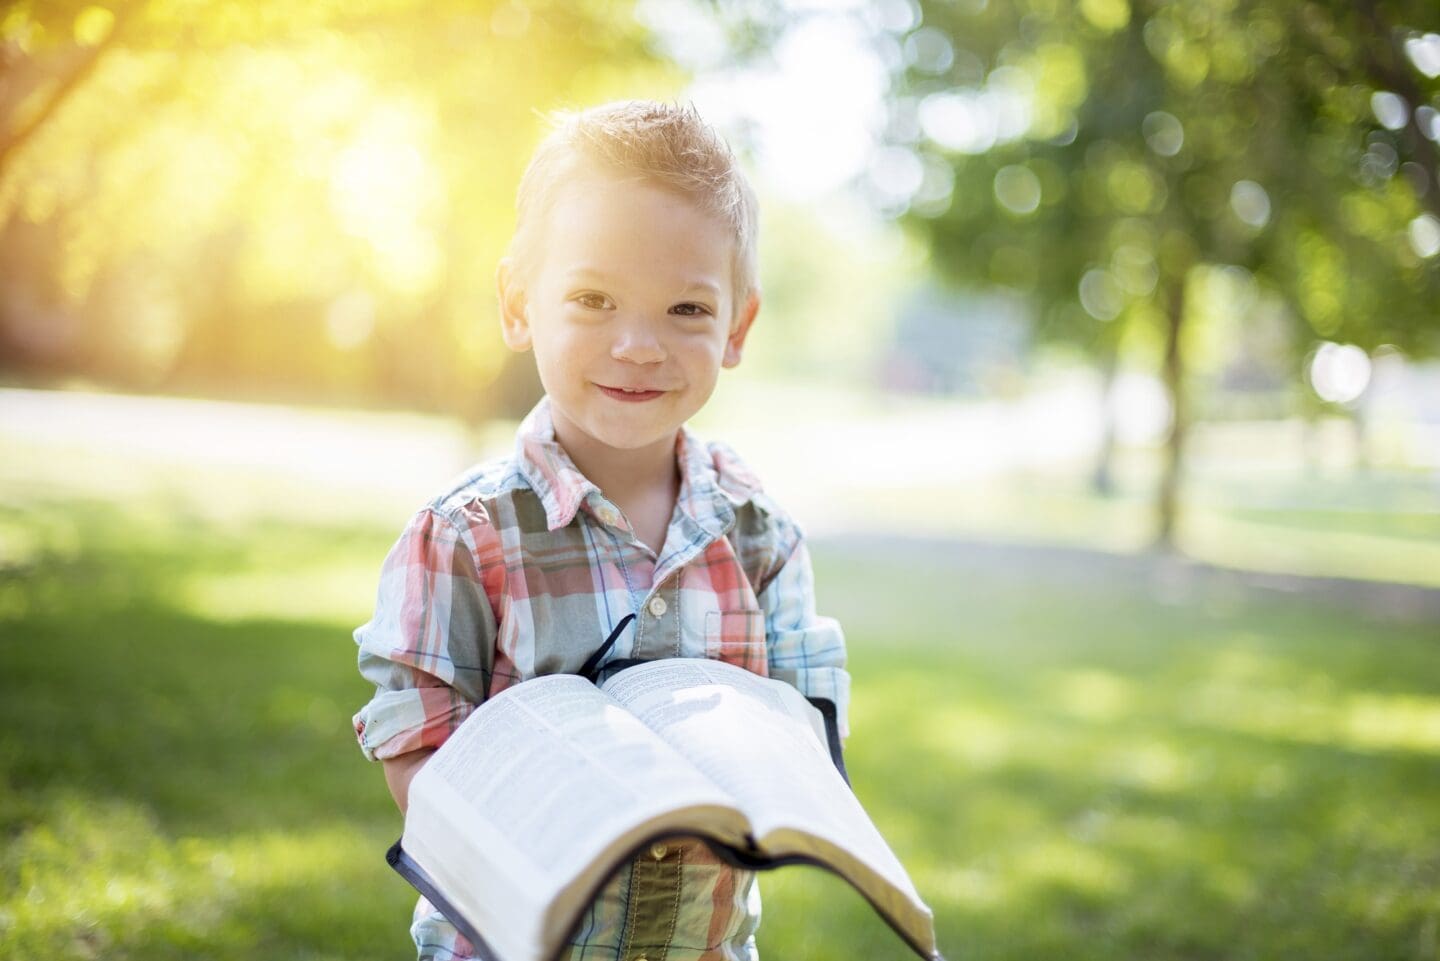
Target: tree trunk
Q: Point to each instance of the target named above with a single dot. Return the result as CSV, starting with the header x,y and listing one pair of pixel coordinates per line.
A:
x,y
1167,501
1102,481
1360,428
12,140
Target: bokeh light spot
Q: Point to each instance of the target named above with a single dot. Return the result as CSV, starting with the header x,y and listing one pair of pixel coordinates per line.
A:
x,y
1101,295
1339,372
1017,189
1250,203
958,120
1390,109
1163,133
1135,268
937,187
1106,15
1424,234
895,176
1428,120
897,16
929,51
1424,53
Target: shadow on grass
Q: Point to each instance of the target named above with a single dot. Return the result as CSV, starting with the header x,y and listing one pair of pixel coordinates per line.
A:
x,y
172,785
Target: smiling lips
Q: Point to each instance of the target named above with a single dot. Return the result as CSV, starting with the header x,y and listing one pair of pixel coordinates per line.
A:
x,y
629,396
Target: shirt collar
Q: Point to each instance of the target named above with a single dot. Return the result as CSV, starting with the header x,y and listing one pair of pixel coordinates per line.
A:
x,y
713,481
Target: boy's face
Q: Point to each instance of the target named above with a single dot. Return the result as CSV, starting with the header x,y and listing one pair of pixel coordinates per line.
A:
x,y
629,309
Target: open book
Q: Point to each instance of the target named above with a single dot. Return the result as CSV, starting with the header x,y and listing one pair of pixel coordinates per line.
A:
x,y
546,789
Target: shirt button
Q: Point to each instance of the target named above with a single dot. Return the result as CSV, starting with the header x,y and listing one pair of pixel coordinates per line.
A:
x,y
608,516
658,851
657,606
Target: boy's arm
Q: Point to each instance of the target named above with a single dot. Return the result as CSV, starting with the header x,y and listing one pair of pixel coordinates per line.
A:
x,y
400,771
804,648
429,649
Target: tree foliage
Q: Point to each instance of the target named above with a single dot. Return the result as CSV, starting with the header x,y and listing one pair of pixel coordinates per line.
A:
x,y
1105,157
1167,134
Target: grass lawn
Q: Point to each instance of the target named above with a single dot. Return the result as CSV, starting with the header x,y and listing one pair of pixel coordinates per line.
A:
x,y
1071,767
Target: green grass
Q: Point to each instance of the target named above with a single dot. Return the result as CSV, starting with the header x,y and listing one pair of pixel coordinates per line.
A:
x,y
1070,767
1075,768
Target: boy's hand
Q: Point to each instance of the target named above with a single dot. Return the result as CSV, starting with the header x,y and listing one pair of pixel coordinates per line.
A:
x,y
400,771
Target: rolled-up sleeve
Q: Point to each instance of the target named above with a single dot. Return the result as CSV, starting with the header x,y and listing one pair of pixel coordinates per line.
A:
x,y
429,649
804,648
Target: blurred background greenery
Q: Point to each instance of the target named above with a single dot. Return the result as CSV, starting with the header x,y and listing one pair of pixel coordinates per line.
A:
x,y
1104,332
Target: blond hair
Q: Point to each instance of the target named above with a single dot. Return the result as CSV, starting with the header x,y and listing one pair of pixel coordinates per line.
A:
x,y
667,145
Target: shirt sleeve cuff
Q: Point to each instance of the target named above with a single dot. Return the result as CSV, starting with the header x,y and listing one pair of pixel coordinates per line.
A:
x,y
398,722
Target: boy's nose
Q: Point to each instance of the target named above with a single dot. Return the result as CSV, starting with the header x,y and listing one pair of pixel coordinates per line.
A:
x,y
637,344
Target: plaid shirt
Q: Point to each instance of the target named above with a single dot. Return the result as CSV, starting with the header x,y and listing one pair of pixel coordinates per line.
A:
x,y
521,570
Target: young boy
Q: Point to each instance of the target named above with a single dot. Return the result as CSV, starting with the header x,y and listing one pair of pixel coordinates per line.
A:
x,y
632,277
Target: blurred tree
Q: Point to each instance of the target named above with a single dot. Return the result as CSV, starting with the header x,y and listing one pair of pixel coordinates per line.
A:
x,y
298,200
1104,157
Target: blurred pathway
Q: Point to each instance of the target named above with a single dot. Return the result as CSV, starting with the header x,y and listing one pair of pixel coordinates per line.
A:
x,y
1169,579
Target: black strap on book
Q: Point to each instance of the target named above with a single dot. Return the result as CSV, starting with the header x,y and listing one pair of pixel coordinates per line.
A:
x,y
591,669
828,711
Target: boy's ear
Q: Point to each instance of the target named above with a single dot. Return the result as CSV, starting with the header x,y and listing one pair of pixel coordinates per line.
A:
x,y
735,344
514,323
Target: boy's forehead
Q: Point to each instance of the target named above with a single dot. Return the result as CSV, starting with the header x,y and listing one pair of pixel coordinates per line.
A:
x,y
589,182
593,213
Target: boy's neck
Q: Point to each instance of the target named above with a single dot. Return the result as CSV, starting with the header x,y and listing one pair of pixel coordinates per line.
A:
x,y
623,476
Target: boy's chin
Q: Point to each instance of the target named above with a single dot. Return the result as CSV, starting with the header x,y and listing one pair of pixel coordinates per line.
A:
x,y
618,435
632,440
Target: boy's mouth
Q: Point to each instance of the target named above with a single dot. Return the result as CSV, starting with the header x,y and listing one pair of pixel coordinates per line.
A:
x,y
626,394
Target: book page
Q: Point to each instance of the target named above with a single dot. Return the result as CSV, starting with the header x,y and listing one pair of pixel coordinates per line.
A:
x,y
639,683
521,806
746,733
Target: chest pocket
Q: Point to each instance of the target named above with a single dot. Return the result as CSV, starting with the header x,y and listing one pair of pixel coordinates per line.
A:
x,y
737,637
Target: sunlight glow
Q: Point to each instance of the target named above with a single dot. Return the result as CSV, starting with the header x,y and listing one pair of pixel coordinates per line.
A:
x,y
1403,722
1094,695
384,191
350,320
1267,696
1153,765
982,738
1066,862
814,113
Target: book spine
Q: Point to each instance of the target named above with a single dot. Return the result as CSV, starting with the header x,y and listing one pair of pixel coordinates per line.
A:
x,y
420,881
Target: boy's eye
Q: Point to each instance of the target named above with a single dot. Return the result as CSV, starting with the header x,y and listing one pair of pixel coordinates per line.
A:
x,y
592,301
690,310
